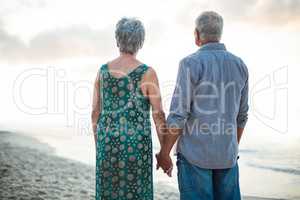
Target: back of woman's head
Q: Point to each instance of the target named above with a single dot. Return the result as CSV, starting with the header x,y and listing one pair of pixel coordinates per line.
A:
x,y
130,35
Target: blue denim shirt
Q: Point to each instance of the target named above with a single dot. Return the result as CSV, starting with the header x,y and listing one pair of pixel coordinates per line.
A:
x,y
210,101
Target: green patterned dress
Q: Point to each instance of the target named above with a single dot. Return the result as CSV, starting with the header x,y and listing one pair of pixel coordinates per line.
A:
x,y
124,145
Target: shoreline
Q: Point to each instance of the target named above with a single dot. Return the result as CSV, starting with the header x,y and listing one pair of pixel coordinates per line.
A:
x,y
30,169
35,172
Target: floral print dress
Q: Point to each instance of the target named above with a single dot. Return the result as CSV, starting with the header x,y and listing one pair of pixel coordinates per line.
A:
x,y
124,145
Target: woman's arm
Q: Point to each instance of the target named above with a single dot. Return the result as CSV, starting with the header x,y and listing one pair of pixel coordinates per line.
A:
x,y
96,106
150,88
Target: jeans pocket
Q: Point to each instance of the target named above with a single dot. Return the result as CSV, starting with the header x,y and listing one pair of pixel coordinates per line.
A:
x,y
184,175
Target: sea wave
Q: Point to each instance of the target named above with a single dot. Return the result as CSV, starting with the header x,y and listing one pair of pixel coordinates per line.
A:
x,y
277,169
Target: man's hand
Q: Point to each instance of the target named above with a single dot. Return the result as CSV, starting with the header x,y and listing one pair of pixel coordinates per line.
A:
x,y
165,162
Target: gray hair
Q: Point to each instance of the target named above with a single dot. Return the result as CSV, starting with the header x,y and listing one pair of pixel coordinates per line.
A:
x,y
130,35
210,26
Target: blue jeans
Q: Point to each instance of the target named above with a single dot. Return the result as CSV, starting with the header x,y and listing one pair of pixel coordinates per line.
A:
x,y
196,183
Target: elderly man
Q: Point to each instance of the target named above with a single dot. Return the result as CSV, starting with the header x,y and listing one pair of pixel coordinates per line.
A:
x,y
208,114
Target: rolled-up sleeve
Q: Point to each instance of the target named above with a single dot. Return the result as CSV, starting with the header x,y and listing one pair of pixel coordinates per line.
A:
x,y
182,97
242,117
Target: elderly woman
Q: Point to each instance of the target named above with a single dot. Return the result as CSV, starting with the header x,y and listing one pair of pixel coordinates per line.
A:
x,y
124,91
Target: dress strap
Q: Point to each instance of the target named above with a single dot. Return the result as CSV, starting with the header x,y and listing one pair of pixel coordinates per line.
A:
x,y
103,68
140,71
102,75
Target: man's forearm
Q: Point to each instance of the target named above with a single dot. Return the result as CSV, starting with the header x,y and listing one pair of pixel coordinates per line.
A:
x,y
169,140
239,134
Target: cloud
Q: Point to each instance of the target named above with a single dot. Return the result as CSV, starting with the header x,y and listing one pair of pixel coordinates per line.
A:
x,y
255,12
277,13
75,41
69,42
13,6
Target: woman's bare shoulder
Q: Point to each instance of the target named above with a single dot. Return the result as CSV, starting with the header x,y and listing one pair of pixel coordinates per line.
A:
x,y
150,74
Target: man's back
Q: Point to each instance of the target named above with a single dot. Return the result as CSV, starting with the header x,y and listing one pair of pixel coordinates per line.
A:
x,y
210,103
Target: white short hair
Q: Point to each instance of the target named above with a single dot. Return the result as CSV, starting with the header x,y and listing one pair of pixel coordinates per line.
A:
x,y
130,35
210,26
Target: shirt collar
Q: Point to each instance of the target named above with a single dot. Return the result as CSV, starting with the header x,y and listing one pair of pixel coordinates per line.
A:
x,y
213,46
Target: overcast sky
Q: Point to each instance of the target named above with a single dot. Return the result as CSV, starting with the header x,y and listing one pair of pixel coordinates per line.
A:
x,y
79,36
54,29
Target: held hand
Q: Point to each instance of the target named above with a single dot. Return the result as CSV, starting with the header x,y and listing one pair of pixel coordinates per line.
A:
x,y
165,162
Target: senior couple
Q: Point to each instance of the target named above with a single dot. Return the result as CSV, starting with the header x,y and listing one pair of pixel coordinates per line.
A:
x,y
207,117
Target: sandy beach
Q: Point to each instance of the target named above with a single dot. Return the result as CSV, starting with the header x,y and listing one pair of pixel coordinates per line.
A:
x,y
30,170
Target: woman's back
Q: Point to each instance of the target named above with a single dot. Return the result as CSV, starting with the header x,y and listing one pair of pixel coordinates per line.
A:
x,y
124,147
